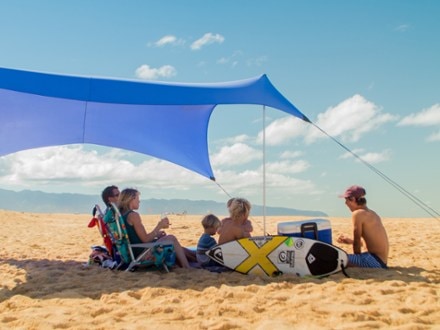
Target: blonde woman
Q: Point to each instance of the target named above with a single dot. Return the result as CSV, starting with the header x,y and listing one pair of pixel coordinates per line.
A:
x,y
129,202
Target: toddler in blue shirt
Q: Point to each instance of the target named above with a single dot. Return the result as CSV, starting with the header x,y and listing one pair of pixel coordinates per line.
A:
x,y
210,225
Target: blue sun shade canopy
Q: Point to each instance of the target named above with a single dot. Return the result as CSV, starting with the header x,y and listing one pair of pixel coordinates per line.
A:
x,y
165,120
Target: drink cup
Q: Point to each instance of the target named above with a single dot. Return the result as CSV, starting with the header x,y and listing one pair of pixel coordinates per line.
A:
x,y
164,215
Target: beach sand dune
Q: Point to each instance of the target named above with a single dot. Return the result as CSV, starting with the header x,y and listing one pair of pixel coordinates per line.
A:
x,y
45,284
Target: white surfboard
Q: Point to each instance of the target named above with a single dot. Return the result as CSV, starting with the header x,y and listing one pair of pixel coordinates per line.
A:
x,y
275,255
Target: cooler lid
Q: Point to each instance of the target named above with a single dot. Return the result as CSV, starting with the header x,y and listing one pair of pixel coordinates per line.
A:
x,y
295,226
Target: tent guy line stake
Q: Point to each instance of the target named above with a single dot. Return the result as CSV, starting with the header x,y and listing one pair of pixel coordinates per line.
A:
x,y
433,213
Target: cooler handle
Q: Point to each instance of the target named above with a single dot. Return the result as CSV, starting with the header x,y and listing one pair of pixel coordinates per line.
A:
x,y
309,226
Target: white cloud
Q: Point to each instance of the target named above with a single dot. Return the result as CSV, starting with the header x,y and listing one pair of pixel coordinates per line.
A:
x,y
168,40
375,157
258,61
369,157
236,154
207,39
68,164
237,182
349,155
62,163
233,60
241,138
291,154
155,173
426,117
146,72
288,167
349,120
288,188
282,130
434,137
81,169
402,28
249,183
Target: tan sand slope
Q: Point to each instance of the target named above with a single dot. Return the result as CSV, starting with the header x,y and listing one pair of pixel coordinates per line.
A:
x,y
44,284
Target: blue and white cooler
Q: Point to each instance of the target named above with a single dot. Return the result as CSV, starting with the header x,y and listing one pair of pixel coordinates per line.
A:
x,y
318,229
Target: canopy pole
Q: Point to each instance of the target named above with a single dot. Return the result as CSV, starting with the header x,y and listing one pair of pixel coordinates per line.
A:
x,y
264,170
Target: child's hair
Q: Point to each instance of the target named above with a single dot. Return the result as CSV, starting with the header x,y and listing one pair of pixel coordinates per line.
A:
x,y
210,221
228,204
125,197
238,207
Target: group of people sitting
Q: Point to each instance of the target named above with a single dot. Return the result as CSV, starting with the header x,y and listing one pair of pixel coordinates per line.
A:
x,y
367,228
236,226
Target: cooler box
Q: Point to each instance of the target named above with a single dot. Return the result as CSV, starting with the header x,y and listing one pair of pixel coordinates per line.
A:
x,y
318,229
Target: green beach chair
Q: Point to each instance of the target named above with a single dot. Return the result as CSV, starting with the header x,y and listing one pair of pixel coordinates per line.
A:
x,y
158,254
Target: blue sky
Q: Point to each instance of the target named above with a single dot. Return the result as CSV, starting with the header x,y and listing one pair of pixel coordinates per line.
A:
x,y
366,72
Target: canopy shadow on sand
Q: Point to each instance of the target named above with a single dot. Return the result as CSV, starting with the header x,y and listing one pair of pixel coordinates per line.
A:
x,y
50,279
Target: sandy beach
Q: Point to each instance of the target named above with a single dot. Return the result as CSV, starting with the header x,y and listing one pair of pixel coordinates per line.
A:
x,y
46,285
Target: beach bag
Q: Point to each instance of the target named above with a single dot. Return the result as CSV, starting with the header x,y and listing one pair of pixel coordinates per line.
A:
x,y
101,257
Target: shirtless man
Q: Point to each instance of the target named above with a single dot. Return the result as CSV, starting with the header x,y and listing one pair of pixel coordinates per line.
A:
x,y
368,226
235,228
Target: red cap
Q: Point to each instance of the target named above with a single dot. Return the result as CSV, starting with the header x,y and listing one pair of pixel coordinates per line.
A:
x,y
354,191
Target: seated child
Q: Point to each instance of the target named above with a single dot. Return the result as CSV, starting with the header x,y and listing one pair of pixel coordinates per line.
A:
x,y
247,224
210,225
237,226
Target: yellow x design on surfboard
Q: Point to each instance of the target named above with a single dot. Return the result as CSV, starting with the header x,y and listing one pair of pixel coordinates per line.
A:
x,y
274,255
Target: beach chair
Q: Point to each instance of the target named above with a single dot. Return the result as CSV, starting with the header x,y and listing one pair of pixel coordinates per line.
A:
x,y
158,254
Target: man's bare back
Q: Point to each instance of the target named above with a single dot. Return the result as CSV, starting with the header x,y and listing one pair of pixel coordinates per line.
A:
x,y
367,226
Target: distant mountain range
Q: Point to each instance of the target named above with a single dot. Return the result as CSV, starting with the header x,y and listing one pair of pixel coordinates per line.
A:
x,y
41,202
